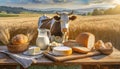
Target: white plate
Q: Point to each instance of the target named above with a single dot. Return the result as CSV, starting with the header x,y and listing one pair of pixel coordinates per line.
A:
x,y
26,53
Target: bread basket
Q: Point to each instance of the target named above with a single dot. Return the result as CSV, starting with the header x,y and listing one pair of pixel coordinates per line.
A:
x,y
17,48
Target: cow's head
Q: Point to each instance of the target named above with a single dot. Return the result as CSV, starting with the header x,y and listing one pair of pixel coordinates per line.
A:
x,y
64,19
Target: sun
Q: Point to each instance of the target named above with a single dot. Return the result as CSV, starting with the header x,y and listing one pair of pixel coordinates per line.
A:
x,y
116,1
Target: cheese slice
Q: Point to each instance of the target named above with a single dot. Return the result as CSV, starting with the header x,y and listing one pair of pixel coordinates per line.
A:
x,y
33,50
62,51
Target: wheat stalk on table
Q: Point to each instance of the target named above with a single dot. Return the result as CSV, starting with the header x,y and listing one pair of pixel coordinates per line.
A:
x,y
30,35
4,36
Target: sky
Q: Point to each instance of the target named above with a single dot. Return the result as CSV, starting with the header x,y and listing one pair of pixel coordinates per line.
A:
x,y
68,4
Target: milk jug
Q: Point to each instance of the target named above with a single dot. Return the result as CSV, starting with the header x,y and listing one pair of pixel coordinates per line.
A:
x,y
43,38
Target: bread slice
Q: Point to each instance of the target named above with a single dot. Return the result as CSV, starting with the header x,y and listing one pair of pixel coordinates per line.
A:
x,y
86,39
81,49
71,43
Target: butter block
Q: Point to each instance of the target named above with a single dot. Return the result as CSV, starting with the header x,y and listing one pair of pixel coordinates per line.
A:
x,y
33,50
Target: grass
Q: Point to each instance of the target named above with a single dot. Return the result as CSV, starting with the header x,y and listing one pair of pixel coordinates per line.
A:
x,y
8,15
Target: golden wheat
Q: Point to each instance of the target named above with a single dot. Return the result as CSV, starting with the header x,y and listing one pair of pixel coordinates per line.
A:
x,y
106,27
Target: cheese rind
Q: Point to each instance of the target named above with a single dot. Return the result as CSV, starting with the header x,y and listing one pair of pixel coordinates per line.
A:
x,y
33,50
62,51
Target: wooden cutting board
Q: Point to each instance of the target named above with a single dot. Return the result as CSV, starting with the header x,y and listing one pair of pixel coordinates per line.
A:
x,y
70,57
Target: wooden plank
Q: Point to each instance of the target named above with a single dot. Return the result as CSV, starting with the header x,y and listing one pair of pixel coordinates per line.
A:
x,y
71,57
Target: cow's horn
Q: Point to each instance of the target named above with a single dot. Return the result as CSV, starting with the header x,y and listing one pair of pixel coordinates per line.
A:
x,y
70,13
57,13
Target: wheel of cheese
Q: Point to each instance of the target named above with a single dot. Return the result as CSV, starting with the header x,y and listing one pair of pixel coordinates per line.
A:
x,y
62,51
86,39
81,49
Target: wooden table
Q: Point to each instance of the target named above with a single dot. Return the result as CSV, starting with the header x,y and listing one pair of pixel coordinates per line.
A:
x,y
96,62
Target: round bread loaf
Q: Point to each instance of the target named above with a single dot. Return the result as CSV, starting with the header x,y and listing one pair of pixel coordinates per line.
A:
x,y
105,48
81,49
19,39
99,45
108,48
62,51
86,39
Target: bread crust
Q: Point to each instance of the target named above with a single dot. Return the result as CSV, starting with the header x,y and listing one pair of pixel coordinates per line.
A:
x,y
86,39
19,39
81,49
71,43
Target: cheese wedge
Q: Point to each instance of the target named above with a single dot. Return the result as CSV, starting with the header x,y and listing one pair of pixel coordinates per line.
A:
x,y
62,51
33,50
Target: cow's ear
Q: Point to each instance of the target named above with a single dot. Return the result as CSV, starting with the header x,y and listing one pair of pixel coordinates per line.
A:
x,y
56,17
72,17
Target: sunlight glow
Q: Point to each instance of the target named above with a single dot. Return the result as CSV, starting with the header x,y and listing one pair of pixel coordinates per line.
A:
x,y
116,1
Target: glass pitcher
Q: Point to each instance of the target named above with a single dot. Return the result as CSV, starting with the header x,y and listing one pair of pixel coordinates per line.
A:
x,y
43,38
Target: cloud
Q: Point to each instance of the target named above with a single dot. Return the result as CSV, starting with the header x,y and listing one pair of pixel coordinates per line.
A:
x,y
70,4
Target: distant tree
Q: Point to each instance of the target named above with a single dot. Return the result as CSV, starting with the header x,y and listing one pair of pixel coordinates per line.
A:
x,y
98,12
3,12
109,11
95,12
89,13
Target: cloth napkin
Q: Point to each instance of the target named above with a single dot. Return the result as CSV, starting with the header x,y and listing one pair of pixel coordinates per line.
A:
x,y
24,60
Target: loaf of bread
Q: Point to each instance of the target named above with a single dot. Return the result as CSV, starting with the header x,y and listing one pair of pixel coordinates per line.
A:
x,y
19,39
71,43
108,48
62,51
81,49
105,48
86,39
99,45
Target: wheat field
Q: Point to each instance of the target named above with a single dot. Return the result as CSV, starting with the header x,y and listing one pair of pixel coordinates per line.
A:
x,y
105,27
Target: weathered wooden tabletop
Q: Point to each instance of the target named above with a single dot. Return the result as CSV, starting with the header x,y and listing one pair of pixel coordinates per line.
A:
x,y
113,59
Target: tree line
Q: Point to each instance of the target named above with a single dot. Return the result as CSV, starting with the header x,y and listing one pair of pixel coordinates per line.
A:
x,y
110,11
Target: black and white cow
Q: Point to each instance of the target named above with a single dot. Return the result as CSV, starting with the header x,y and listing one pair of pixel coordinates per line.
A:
x,y
58,25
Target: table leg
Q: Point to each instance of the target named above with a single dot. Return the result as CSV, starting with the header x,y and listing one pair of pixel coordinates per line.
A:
x,y
8,67
21,67
90,67
110,67
101,67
